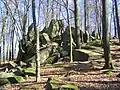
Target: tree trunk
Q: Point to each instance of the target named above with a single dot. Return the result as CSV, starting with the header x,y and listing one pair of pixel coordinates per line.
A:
x,y
106,46
77,24
53,12
114,20
3,34
7,53
0,55
37,43
117,19
100,19
4,48
85,15
97,18
12,37
70,32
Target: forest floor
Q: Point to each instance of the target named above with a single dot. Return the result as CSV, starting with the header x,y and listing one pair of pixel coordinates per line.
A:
x,y
87,76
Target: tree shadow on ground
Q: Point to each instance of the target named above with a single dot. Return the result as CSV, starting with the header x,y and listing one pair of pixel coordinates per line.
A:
x,y
81,68
115,56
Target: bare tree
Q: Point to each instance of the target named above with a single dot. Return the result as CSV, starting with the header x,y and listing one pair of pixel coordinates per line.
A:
x,y
69,28
106,45
77,27
37,43
85,15
114,19
117,19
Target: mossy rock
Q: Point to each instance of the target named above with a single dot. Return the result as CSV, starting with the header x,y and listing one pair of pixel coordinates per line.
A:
x,y
87,47
44,38
52,84
53,29
80,55
11,65
69,87
6,75
4,82
52,59
107,71
23,88
85,55
29,71
22,64
15,79
96,43
18,73
89,52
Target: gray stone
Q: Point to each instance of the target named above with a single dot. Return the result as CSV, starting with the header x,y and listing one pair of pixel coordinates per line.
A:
x,y
52,59
27,48
44,54
15,79
22,64
69,87
53,29
18,72
4,82
44,38
11,65
79,55
30,50
86,37
29,71
62,52
6,75
31,33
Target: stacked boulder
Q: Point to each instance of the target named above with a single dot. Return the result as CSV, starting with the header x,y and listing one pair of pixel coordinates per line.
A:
x,y
54,43
49,44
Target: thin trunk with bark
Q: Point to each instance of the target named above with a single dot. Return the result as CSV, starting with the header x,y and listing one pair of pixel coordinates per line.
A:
x,y
117,19
37,43
70,32
106,45
77,27
85,15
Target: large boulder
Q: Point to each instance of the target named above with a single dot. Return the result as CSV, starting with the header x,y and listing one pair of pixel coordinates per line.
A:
x,y
29,71
85,54
86,37
66,39
69,87
15,79
62,52
27,47
7,78
44,54
94,36
30,48
11,65
44,38
53,29
31,33
22,50
6,75
52,59
18,72
53,84
74,34
4,82
80,55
